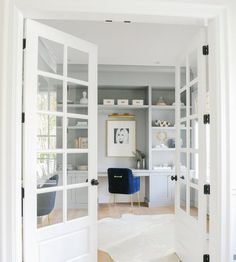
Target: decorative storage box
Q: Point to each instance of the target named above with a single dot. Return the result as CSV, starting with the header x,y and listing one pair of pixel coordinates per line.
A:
x,y
137,102
108,102
122,102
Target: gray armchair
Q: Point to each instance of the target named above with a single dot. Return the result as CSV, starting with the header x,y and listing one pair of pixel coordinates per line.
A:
x,y
46,201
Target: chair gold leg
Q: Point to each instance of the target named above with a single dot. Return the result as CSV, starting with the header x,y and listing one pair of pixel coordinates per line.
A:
x,y
138,199
114,199
48,220
110,199
131,201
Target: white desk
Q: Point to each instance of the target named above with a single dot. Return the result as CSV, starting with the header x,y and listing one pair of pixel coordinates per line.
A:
x,y
143,172
157,188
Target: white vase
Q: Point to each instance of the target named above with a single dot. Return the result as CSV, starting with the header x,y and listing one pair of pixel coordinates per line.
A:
x,y
84,99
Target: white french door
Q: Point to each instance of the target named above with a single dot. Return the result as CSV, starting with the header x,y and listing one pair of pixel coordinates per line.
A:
x,y
60,161
191,166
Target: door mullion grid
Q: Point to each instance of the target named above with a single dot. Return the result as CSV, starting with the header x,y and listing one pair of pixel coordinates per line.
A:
x,y
188,136
202,146
65,134
178,133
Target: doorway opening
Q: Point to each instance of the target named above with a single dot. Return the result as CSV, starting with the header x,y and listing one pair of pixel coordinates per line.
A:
x,y
141,80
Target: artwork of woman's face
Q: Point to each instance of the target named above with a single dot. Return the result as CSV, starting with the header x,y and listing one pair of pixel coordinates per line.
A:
x,y
121,135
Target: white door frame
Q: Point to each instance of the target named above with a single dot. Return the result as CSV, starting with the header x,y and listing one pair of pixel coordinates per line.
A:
x,y
10,183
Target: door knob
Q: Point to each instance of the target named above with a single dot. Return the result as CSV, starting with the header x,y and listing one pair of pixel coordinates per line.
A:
x,y
94,182
174,178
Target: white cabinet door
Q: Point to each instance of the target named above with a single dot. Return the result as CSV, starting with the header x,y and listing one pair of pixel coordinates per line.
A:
x,y
191,203
60,161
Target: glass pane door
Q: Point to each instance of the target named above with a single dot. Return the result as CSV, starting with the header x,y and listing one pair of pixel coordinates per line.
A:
x,y
191,203
60,156
189,149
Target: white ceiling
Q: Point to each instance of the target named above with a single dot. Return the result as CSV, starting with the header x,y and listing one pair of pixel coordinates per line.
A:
x,y
120,43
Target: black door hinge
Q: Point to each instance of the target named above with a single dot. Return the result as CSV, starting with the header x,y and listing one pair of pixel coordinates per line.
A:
x,y
23,117
24,43
207,189
22,192
206,258
205,50
206,119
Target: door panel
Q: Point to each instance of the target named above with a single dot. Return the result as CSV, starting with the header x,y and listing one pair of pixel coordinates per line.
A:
x,y
191,237
60,95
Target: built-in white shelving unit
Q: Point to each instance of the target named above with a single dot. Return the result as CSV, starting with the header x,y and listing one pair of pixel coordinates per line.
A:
x,y
157,189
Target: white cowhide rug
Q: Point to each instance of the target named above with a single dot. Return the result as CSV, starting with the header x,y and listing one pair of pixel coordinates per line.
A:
x,y
135,238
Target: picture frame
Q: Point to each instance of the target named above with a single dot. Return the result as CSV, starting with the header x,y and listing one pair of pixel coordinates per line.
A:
x,y
121,138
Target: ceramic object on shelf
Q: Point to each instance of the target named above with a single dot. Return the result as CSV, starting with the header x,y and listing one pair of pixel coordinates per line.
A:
x,y
137,102
122,102
108,102
161,101
143,163
162,123
70,167
82,168
138,164
161,136
81,124
171,143
84,99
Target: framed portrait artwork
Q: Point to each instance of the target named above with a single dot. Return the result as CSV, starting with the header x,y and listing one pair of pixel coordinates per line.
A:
x,y
121,138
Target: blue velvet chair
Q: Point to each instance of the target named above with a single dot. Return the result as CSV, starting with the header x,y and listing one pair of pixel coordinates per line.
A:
x,y
46,201
122,181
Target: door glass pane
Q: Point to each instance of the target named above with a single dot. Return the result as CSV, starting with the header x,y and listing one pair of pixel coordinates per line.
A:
x,y
194,202
183,166
193,99
194,134
77,133
49,208
183,99
193,69
50,56
77,99
183,134
77,64
183,74
49,132
77,203
49,94
183,199
49,169
194,168
77,168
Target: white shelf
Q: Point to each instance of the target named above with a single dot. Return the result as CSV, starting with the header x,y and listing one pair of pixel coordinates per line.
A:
x,y
163,128
163,107
163,149
74,105
73,127
122,107
166,107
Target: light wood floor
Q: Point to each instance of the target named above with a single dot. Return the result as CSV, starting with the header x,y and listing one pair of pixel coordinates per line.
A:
x,y
117,210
